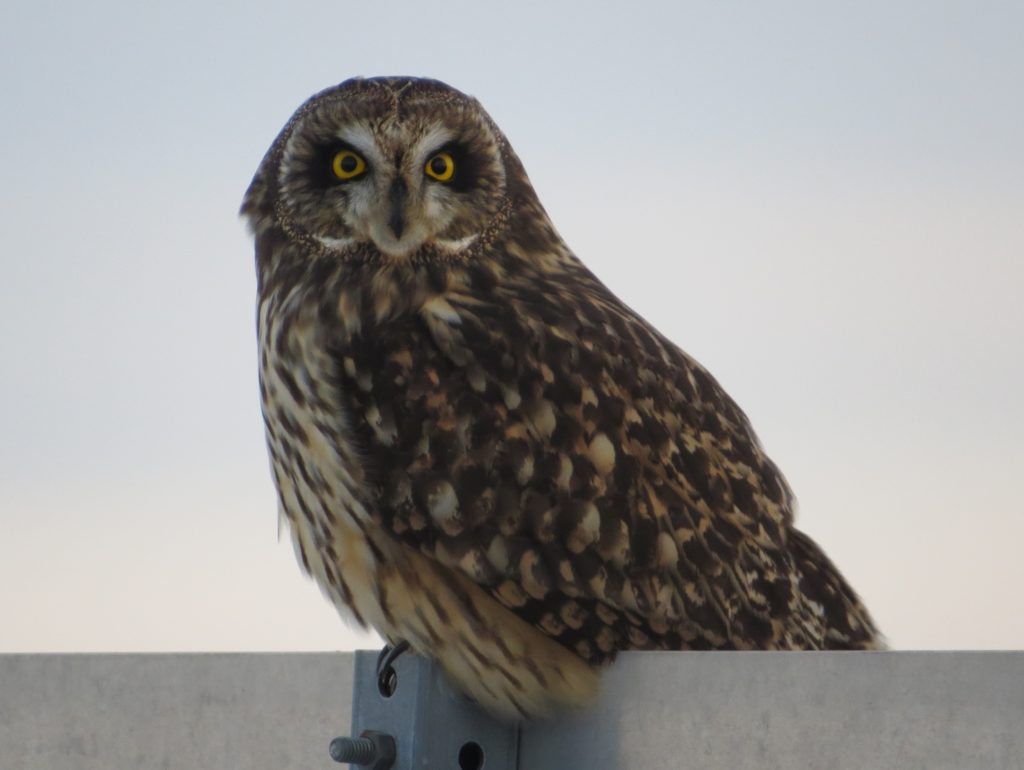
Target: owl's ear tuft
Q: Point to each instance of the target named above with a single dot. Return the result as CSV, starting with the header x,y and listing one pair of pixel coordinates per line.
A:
x,y
257,204
251,202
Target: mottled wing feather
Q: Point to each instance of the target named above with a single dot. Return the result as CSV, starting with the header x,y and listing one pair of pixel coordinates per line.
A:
x,y
553,447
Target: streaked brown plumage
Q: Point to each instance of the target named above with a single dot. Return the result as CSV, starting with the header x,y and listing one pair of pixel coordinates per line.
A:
x,y
478,447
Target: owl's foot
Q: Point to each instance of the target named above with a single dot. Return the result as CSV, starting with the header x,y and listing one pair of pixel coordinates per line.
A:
x,y
387,680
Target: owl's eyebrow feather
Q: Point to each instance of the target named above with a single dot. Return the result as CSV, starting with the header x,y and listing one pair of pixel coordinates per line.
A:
x,y
359,138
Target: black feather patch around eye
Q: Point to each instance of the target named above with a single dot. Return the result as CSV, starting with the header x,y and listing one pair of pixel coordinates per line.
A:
x,y
320,172
468,166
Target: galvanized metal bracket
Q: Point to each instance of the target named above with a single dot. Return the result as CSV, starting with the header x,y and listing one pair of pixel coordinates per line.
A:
x,y
433,726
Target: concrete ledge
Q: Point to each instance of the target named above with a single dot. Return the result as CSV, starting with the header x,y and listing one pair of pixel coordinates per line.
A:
x,y
932,710
828,710
137,712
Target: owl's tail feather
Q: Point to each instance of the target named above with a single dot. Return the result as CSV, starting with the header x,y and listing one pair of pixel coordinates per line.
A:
x,y
847,624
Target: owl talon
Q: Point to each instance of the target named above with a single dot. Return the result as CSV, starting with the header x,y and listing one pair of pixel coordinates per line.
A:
x,y
387,680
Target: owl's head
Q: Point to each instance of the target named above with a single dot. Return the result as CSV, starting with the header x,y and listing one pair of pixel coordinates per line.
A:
x,y
392,168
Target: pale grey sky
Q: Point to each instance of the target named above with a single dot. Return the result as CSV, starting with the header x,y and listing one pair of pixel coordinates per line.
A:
x,y
823,202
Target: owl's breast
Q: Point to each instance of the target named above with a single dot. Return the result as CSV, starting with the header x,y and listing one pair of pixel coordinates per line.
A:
x,y
316,467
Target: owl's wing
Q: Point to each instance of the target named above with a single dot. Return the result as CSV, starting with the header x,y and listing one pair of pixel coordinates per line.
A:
x,y
553,447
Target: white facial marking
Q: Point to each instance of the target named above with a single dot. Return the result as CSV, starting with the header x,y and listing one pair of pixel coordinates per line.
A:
x,y
361,138
455,245
434,139
335,243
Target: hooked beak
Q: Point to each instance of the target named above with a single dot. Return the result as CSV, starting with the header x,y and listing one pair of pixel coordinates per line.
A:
x,y
396,197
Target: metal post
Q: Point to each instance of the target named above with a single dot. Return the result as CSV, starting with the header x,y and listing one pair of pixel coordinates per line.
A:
x,y
432,725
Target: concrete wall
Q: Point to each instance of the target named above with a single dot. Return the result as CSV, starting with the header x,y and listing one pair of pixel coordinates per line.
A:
x,y
658,710
128,712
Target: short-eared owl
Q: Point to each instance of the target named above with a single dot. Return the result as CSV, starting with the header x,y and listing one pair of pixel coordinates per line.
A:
x,y
478,448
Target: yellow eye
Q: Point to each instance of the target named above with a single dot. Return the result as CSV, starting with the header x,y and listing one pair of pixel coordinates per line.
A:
x,y
441,167
347,165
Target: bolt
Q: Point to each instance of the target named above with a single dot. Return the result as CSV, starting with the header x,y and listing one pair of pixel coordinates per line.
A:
x,y
356,751
372,750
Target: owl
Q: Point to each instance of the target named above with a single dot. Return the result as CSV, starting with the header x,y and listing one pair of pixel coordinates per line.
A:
x,y
478,448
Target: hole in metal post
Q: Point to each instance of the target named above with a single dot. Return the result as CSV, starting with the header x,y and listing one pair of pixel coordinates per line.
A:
x,y
471,756
387,682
